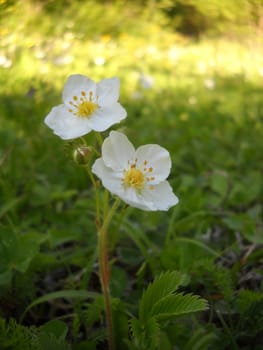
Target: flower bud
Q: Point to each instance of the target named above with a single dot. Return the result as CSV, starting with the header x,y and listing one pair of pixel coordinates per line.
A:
x,y
82,154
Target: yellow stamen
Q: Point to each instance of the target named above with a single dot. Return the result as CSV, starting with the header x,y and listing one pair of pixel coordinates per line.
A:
x,y
86,108
137,178
83,107
134,178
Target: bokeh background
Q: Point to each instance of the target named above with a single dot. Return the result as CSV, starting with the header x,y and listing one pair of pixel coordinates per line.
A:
x,y
191,75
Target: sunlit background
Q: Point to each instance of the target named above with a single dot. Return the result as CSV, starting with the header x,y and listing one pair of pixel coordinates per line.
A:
x,y
191,75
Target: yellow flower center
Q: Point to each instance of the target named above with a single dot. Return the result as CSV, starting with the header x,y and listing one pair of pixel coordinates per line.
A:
x,y
86,108
83,107
138,178
134,178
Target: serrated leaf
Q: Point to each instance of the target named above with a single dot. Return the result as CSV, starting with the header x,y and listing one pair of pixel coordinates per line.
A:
x,y
152,332
145,335
120,321
178,304
135,327
164,285
246,298
94,311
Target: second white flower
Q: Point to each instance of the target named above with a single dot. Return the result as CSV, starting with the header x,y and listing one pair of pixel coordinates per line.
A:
x,y
139,176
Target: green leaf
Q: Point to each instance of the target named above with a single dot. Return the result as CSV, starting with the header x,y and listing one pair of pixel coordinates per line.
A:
x,y
219,183
246,298
120,322
165,342
136,330
66,294
152,330
17,252
178,304
247,189
164,285
145,335
248,226
85,345
55,327
94,311
119,281
185,253
57,237
50,342
27,249
10,205
5,278
200,340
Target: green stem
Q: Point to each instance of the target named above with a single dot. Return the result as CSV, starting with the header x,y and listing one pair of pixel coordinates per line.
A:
x,y
99,138
105,204
97,198
104,270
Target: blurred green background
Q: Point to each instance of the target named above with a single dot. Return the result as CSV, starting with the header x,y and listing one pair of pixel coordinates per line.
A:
x,y
191,76
191,79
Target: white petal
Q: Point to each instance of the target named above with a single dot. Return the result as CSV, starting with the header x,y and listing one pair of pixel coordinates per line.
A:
x,y
75,84
105,117
117,150
66,125
132,197
112,181
108,91
161,196
109,178
157,158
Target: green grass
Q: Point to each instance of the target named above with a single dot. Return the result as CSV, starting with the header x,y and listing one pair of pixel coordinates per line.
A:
x,y
204,104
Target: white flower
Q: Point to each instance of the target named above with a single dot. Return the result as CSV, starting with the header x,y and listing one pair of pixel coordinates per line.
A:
x,y
138,177
146,81
87,106
5,62
209,84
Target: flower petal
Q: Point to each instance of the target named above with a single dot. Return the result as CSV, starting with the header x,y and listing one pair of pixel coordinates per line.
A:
x,y
156,159
117,154
65,125
161,196
75,84
117,151
108,91
109,178
112,181
105,117
132,197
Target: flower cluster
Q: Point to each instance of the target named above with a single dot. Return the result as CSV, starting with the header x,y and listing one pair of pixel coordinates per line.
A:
x,y
139,176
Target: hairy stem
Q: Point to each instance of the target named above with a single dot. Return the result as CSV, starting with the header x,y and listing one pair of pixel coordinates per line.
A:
x,y
104,270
